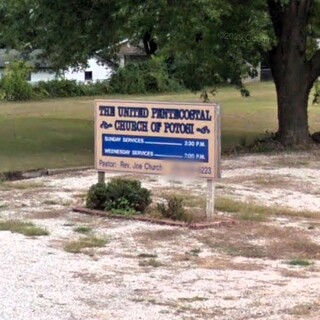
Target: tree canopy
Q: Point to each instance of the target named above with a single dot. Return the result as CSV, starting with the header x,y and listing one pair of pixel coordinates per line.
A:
x,y
209,41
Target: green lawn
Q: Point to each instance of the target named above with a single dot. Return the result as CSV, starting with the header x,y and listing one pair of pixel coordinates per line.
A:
x,y
59,133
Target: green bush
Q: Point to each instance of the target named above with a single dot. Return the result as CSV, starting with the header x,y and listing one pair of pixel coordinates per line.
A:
x,y
127,195
97,196
172,209
60,88
150,76
120,196
96,88
14,84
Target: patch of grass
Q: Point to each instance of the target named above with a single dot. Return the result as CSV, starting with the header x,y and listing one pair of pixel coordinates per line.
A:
x,y
194,252
51,202
55,214
82,229
26,228
300,262
147,255
6,185
150,263
252,216
78,246
190,200
244,249
245,211
81,195
250,211
48,133
306,310
194,299
271,181
290,273
68,224
225,263
261,240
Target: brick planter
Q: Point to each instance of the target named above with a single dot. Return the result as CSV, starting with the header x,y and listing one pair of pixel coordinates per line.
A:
x,y
195,226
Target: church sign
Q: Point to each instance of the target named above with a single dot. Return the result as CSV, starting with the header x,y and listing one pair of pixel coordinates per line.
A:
x,y
158,138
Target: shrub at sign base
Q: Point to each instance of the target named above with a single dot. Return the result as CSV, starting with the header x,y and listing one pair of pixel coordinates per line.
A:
x,y
172,209
119,196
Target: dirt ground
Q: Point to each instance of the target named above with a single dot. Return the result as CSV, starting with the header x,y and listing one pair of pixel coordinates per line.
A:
x,y
266,266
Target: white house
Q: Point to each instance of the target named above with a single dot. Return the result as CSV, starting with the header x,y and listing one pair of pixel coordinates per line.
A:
x,y
95,71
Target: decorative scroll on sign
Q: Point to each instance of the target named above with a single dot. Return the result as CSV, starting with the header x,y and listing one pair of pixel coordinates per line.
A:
x,y
158,138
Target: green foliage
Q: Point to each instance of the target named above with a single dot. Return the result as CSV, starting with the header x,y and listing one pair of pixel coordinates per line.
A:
x,y
208,42
70,88
144,77
127,195
97,196
300,262
172,209
60,88
120,196
14,85
89,242
69,31
316,96
83,229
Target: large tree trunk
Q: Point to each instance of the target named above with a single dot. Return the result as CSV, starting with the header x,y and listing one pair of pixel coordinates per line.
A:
x,y
293,96
291,70
293,119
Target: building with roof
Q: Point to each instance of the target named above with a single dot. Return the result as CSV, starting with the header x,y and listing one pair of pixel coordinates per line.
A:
x,y
43,70
95,70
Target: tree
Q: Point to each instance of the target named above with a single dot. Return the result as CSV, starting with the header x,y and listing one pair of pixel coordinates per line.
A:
x,y
295,63
209,41
69,31
225,40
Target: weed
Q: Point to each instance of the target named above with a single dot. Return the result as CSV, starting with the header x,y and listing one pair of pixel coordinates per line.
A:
x,y
68,224
147,255
194,252
82,229
173,209
50,202
194,299
150,263
6,186
190,201
300,262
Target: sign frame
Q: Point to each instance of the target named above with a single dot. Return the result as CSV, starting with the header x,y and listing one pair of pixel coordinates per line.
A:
x,y
215,138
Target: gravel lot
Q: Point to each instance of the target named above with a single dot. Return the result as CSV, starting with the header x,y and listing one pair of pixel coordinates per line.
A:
x,y
155,272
